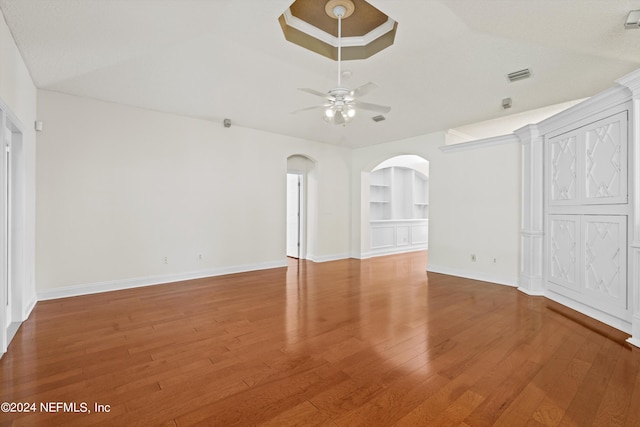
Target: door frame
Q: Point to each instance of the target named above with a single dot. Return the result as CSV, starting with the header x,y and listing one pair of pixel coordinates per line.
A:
x,y
302,253
14,244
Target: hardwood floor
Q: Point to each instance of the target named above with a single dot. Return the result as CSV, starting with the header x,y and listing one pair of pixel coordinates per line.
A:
x,y
374,343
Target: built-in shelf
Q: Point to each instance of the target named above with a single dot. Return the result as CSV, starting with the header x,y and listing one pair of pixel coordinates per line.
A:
x,y
398,210
404,189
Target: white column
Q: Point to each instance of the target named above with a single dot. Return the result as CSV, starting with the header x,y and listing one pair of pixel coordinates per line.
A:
x,y
530,280
632,82
3,303
365,215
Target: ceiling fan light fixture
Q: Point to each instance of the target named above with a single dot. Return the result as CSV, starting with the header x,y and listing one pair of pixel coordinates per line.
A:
x,y
339,114
340,103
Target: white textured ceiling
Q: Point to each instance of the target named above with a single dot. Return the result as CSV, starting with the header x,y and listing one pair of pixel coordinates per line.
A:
x,y
216,59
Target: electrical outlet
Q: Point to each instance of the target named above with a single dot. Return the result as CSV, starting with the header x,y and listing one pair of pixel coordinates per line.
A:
x,y
473,258
495,260
165,260
199,257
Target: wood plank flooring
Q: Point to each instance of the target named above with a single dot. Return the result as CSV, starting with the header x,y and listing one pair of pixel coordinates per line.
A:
x,y
376,342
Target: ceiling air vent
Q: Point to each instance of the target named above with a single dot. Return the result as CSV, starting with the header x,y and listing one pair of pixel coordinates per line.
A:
x,y
633,20
378,118
519,75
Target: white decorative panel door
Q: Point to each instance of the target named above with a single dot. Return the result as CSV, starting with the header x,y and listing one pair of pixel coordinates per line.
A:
x,y
402,235
605,259
382,237
419,234
586,213
606,161
564,247
563,172
588,165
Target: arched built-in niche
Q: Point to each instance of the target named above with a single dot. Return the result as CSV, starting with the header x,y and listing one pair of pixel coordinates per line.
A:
x,y
395,210
301,171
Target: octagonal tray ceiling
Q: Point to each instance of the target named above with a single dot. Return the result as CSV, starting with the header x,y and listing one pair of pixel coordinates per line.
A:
x,y
365,32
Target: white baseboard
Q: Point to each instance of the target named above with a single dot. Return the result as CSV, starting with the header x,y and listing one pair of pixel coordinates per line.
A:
x,y
327,258
531,285
475,275
396,250
607,319
384,252
29,309
116,285
364,255
530,292
634,341
12,330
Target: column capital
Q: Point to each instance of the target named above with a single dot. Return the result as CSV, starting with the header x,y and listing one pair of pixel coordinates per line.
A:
x,y
632,82
528,133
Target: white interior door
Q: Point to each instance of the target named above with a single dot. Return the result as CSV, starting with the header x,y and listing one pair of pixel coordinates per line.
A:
x,y
294,214
6,250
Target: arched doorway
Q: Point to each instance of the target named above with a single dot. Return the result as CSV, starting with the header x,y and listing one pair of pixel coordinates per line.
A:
x,y
301,202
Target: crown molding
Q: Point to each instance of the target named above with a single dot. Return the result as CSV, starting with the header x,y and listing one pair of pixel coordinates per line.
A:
x,y
609,98
631,81
481,143
305,27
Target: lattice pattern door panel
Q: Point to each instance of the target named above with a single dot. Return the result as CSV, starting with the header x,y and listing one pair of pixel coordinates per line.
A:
x,y
586,219
564,235
606,162
588,165
563,169
605,259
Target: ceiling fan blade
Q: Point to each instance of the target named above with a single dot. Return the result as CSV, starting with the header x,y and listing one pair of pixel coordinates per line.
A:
x,y
315,107
363,90
372,107
314,92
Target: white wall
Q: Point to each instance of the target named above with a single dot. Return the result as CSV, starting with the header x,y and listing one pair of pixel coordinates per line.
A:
x,y
410,161
16,87
121,188
474,205
18,97
504,125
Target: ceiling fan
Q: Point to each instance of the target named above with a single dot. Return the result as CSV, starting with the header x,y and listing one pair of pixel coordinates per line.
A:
x,y
341,103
